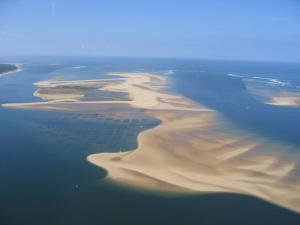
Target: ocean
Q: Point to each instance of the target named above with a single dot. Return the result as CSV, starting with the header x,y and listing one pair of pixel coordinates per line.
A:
x,y
46,179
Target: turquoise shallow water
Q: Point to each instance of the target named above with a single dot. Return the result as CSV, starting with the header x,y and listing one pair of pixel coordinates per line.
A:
x,y
45,178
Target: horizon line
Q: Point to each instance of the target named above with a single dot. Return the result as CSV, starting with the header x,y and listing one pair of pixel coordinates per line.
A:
x,y
153,57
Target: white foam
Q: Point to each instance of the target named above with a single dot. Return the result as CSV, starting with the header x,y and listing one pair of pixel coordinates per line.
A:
x,y
273,82
235,75
169,72
78,67
276,82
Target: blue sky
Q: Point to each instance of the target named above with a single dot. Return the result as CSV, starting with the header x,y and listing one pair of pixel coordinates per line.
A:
x,y
210,29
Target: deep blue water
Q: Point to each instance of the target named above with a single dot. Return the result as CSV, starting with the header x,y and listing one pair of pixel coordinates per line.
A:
x,y
45,178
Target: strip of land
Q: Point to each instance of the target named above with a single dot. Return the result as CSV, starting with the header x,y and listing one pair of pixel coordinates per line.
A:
x,y
7,69
192,150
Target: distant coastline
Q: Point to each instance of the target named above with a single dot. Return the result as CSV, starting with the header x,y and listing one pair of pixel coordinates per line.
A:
x,y
6,69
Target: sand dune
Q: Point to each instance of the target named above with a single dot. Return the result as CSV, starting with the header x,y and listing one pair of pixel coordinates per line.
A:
x,y
193,150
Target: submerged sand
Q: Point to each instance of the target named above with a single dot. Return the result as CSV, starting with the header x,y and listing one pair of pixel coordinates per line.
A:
x,y
274,96
193,150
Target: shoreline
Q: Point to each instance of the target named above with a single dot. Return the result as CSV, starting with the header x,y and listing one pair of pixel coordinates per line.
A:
x,y
275,97
18,69
292,100
190,151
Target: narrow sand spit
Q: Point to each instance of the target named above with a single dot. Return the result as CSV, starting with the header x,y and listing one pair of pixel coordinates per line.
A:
x,y
193,150
18,69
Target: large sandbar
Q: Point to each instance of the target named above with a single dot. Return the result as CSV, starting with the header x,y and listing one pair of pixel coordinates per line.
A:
x,y
193,150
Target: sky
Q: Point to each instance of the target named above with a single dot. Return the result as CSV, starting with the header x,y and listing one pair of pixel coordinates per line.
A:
x,y
267,30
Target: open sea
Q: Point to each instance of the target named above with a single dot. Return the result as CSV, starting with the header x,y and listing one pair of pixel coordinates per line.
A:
x,y
45,178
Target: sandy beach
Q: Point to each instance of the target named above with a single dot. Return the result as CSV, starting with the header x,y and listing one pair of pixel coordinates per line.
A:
x,y
193,150
286,99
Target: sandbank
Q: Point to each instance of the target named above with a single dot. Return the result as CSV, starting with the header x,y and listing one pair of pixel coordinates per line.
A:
x,y
285,100
192,150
